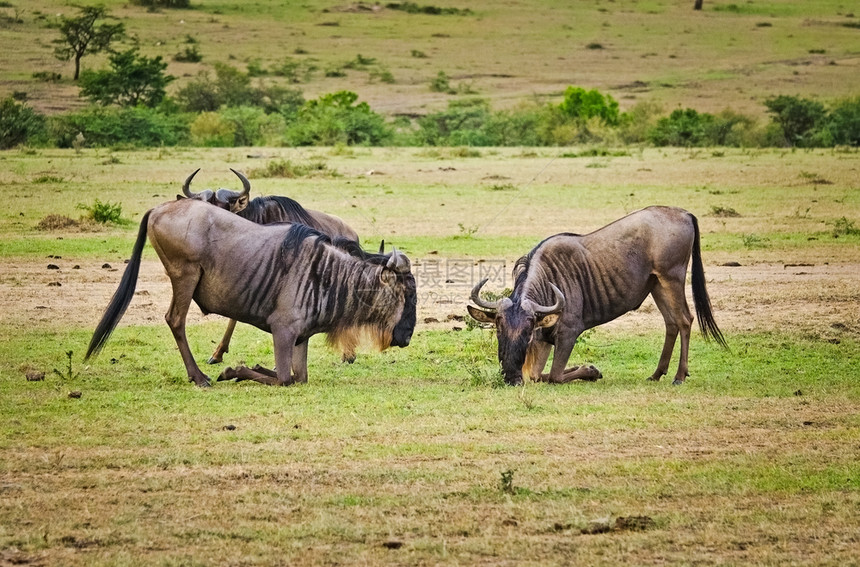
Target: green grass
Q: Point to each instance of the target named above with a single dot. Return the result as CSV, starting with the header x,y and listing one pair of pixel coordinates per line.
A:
x,y
389,450
400,457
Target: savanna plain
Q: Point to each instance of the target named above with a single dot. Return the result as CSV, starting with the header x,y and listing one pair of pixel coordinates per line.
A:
x,y
416,456
419,456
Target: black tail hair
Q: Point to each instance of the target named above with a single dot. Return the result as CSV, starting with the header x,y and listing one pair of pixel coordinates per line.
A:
x,y
700,294
122,297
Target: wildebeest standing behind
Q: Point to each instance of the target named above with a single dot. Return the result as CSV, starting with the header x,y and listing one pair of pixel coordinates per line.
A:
x,y
289,280
268,210
569,283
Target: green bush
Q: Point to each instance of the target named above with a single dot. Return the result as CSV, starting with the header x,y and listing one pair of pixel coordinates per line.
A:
x,y
19,124
842,125
189,55
252,126
337,118
635,124
212,130
139,126
579,104
461,124
798,117
230,87
103,213
683,128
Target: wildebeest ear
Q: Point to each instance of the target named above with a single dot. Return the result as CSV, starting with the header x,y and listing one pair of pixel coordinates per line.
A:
x,y
481,316
546,320
387,277
240,204
180,197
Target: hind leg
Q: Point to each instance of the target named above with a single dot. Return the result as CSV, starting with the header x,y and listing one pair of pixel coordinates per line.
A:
x,y
670,299
224,346
184,284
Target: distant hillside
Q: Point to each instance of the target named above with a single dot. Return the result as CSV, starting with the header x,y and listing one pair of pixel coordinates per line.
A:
x,y
730,54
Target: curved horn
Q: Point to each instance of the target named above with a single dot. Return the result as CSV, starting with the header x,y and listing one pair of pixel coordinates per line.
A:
x,y
397,262
476,297
186,187
245,183
559,303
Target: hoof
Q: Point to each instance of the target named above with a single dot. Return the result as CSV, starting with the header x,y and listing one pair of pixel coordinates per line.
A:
x,y
593,374
227,374
201,382
677,382
213,360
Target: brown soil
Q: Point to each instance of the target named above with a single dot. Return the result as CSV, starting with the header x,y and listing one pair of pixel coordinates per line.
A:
x,y
821,300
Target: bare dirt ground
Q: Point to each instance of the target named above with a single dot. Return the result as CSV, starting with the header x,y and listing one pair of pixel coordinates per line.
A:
x,y
817,300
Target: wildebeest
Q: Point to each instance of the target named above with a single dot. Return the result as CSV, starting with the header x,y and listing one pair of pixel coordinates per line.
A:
x,y
267,210
286,279
569,283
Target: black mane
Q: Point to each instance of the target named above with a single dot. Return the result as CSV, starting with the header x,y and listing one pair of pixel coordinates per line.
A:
x,y
299,232
522,265
267,210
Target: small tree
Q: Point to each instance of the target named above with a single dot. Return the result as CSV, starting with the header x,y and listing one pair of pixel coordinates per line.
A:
x,y
82,35
132,80
798,117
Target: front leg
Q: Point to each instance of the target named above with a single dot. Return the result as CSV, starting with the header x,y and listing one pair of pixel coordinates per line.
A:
x,y
300,363
257,374
284,340
558,374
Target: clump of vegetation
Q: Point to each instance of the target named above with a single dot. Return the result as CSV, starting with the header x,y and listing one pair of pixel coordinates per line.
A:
x,y
843,227
290,170
152,4
103,213
413,8
189,55
754,241
724,212
56,222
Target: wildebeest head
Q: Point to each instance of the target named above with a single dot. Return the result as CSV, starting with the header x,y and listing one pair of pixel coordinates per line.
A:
x,y
233,201
400,268
516,319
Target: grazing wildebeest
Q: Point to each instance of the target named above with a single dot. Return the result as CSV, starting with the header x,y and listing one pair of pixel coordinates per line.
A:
x,y
569,283
286,279
267,210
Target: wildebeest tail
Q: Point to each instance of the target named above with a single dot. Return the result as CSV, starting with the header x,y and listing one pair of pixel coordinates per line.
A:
x,y
122,297
700,293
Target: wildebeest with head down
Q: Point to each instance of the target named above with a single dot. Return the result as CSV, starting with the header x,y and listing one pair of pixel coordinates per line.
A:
x,y
569,283
267,210
289,280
